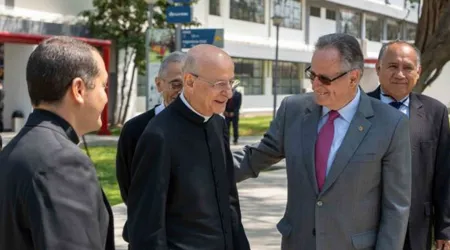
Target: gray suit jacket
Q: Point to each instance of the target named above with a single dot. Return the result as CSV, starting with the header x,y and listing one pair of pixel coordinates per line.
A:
x,y
365,201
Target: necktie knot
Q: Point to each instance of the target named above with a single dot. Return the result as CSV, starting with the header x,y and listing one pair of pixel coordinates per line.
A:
x,y
332,115
396,105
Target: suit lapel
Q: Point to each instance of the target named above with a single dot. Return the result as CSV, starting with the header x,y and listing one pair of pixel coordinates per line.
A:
x,y
309,135
357,130
416,116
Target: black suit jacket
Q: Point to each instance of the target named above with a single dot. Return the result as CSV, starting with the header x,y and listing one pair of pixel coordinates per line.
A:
x,y
430,198
50,196
183,195
234,103
129,136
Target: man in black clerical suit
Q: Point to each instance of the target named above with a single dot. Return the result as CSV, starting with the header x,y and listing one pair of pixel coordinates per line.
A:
x,y
50,196
183,195
398,70
169,83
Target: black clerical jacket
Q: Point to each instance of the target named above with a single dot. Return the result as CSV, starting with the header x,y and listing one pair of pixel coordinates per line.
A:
x,y
50,196
183,194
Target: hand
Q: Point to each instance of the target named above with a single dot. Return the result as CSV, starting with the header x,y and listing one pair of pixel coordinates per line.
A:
x,y
231,114
442,244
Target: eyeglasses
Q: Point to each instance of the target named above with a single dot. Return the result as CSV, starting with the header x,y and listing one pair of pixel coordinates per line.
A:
x,y
176,85
323,79
219,84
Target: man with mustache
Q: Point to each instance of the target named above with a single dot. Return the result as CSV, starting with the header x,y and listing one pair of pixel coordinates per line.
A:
x,y
398,70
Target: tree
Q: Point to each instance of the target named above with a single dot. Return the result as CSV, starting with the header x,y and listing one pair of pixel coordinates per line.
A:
x,y
124,22
433,40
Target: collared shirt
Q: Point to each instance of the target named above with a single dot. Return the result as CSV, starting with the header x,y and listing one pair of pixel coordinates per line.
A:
x,y
405,102
341,125
191,108
160,108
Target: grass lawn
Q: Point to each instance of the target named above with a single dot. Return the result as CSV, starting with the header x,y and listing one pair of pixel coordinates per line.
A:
x,y
248,126
254,126
104,159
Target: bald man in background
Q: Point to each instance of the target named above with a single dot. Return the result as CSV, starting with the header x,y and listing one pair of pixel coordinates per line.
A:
x,y
183,195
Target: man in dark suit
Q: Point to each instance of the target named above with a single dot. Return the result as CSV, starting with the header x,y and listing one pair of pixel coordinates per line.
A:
x,y
398,69
232,114
2,97
50,196
183,195
169,83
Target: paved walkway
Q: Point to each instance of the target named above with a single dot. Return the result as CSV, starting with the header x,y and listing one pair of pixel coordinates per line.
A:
x,y
262,205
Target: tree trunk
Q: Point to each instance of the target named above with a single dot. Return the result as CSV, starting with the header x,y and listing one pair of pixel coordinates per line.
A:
x,y
130,89
433,40
127,60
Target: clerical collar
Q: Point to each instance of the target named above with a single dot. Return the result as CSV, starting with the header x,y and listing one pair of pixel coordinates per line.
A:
x,y
40,115
191,108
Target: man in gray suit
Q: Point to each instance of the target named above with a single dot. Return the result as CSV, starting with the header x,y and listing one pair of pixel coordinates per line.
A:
x,y
348,158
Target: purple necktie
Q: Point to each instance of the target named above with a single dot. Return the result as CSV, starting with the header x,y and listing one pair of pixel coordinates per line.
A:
x,y
323,146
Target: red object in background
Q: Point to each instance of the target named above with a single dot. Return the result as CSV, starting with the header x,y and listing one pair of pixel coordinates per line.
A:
x,y
105,45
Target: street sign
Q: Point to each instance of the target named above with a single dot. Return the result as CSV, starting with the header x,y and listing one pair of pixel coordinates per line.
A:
x,y
192,37
180,1
179,14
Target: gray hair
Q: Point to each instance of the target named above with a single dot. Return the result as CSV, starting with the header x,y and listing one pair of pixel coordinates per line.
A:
x,y
174,57
386,46
347,46
190,64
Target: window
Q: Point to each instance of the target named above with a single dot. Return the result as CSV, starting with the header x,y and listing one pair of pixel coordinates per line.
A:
x,y
410,31
214,7
374,28
393,30
331,14
250,73
289,74
349,23
248,10
314,11
291,10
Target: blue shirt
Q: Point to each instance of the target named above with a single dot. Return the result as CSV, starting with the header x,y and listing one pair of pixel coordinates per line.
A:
x,y
341,125
405,105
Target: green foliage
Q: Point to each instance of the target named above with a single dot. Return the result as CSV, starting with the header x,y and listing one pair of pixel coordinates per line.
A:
x,y
124,22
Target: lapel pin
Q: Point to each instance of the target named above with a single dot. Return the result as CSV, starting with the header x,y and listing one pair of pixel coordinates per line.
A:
x,y
360,128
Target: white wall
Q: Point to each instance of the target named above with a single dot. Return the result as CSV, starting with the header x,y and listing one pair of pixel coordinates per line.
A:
x,y
15,85
440,88
254,40
320,26
64,7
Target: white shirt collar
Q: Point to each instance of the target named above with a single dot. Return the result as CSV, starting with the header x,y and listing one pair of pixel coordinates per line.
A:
x,y
160,108
191,108
388,99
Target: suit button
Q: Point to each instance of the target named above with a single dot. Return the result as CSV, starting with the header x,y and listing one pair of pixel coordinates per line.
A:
x,y
319,203
314,232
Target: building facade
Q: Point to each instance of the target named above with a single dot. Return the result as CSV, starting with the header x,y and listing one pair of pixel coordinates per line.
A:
x,y
250,37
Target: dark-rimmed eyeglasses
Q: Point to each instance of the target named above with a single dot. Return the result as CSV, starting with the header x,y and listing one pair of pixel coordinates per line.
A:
x,y
323,79
219,84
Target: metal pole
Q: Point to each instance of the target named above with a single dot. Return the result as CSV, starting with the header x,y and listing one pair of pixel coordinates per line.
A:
x,y
178,37
147,57
275,75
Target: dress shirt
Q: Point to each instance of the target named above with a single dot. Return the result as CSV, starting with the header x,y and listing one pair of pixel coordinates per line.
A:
x,y
160,108
405,102
341,125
